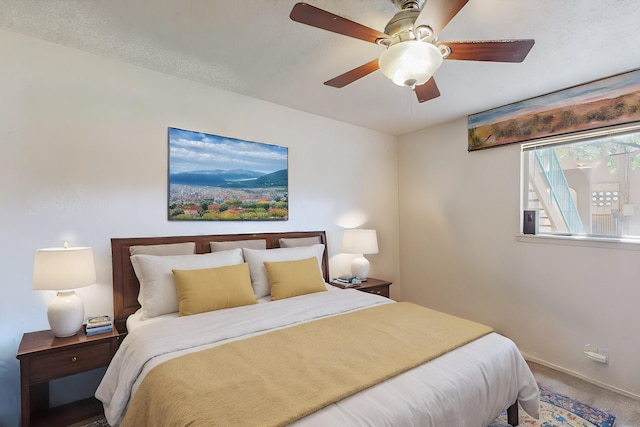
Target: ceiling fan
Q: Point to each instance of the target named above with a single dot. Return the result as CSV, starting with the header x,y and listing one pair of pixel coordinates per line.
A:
x,y
413,52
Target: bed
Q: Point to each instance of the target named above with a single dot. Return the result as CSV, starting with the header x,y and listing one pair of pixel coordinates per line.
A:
x,y
467,384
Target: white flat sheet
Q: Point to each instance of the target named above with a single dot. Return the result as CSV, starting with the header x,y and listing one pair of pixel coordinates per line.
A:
x,y
467,387
136,320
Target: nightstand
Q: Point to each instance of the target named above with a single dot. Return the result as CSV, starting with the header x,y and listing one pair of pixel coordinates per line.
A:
x,y
44,357
372,286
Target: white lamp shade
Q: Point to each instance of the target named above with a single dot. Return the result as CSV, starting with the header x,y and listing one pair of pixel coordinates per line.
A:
x,y
359,241
63,268
410,63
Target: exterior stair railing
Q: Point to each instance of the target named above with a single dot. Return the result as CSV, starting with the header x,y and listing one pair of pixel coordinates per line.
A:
x,y
559,192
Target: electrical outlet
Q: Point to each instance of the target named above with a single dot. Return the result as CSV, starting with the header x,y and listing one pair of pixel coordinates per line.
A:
x,y
599,354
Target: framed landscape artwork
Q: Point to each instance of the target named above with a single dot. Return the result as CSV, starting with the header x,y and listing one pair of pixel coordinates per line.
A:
x,y
611,101
216,178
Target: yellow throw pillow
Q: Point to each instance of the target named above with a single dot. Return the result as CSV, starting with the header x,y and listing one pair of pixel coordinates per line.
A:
x,y
292,278
211,289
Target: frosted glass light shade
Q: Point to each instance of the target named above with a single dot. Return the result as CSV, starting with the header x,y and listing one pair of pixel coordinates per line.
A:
x,y
64,269
410,63
360,241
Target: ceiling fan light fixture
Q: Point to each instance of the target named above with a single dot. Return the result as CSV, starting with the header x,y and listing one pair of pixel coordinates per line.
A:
x,y
410,63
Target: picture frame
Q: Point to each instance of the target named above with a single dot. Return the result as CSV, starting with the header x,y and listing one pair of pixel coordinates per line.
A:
x,y
218,178
607,102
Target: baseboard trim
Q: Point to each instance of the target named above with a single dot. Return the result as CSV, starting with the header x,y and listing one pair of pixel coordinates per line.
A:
x,y
580,376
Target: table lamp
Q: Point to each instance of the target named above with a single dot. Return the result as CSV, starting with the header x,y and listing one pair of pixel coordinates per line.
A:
x,y
63,270
360,241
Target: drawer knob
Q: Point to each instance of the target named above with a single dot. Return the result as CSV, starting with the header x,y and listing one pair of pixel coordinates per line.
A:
x,y
74,359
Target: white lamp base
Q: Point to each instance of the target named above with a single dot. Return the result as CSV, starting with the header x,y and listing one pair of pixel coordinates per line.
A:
x,y
360,267
65,314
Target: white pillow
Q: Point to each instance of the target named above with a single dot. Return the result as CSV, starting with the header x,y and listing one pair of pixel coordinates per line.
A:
x,y
298,241
186,248
225,246
256,259
158,290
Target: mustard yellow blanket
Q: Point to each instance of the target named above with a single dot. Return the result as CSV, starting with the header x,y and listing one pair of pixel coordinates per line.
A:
x,y
278,377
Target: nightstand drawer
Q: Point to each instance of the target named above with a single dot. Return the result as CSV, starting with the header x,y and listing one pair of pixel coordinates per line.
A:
x,y
63,363
378,290
371,286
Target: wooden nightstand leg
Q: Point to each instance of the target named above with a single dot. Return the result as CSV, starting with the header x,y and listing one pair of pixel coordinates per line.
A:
x,y
39,397
25,408
25,395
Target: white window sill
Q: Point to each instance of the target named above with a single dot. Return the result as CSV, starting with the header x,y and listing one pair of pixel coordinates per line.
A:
x,y
584,241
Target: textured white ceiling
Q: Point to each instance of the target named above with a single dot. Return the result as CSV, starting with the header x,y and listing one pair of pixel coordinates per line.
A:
x,y
253,48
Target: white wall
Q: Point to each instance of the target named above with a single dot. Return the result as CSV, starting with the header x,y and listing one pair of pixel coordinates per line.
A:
x,y
83,158
459,216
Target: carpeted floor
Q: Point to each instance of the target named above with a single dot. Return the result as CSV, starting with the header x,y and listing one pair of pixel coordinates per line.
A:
x,y
95,422
557,410
626,409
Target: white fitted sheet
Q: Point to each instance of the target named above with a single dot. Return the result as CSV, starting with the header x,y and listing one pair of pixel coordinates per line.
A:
x,y
467,387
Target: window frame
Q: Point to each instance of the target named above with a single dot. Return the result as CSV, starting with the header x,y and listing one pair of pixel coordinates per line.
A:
x,y
572,239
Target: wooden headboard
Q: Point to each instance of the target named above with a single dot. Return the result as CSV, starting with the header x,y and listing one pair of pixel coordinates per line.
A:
x,y
125,282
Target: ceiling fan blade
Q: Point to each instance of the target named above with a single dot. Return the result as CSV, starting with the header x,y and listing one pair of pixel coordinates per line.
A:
x,y
427,91
438,13
490,50
353,75
311,15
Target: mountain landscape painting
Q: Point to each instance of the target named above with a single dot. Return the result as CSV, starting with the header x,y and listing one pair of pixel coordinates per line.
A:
x,y
217,178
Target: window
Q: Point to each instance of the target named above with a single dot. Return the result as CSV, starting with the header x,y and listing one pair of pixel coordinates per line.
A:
x,y
585,184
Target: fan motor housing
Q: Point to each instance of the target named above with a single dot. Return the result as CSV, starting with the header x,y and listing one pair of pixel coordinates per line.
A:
x,y
404,4
403,20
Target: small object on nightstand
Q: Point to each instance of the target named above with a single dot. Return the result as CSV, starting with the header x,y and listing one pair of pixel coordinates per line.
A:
x,y
98,325
44,357
99,330
347,282
96,321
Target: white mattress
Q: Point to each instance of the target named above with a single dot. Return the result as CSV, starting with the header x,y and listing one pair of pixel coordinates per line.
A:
x,y
467,387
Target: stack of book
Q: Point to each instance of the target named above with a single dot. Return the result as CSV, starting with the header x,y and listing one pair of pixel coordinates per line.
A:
x,y
347,282
99,325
